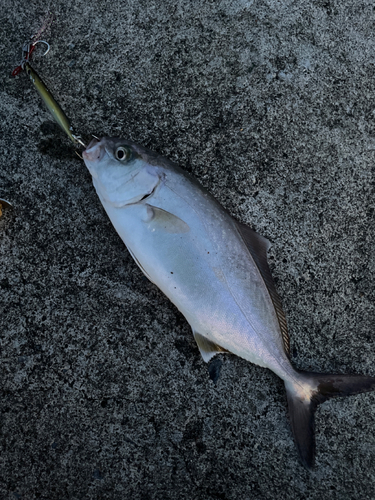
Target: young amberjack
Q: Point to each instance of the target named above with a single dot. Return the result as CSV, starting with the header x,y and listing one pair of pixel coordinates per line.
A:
x,y
213,268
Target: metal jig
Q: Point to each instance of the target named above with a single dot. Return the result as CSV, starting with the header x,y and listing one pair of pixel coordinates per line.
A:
x,y
54,108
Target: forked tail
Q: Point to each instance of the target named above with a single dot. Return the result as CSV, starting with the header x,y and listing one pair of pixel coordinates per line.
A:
x,y
306,393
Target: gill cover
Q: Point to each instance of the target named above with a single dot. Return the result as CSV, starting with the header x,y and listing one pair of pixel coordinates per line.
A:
x,y
121,175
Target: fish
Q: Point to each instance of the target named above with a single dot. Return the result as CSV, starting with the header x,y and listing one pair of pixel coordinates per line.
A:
x,y
213,268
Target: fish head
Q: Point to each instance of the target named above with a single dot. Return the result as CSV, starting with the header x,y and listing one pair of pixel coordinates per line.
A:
x,y
123,173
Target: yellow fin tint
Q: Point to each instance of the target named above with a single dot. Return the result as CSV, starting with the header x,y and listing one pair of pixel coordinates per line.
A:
x,y
207,348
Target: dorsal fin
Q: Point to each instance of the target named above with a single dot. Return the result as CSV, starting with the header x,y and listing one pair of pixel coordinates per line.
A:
x,y
258,246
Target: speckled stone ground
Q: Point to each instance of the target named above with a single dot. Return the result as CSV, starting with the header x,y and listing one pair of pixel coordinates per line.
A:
x,y
270,104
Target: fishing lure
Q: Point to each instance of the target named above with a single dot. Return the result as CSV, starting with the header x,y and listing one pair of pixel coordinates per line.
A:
x,y
55,109
57,112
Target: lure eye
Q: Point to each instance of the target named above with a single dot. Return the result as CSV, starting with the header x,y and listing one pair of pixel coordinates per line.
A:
x,y
122,153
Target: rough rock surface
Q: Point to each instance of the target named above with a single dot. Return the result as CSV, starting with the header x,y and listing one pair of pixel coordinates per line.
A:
x,y
270,104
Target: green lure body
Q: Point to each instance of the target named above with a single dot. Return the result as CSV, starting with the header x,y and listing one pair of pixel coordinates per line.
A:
x,y
56,111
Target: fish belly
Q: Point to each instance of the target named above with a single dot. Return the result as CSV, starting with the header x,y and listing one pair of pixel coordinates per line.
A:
x,y
222,296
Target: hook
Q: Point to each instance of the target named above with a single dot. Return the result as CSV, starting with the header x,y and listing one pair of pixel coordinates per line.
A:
x,y
42,41
79,140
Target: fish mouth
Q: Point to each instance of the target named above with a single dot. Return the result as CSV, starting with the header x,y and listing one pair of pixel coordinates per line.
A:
x,y
94,141
94,151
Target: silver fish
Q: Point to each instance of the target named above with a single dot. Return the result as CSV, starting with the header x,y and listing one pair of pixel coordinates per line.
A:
x,y
213,268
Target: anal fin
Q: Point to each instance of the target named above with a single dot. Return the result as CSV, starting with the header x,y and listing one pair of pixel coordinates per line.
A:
x,y
207,348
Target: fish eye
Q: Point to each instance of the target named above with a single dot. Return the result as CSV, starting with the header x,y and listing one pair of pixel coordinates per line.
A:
x,y
122,153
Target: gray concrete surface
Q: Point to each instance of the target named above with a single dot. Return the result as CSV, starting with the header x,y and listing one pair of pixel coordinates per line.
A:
x,y
270,104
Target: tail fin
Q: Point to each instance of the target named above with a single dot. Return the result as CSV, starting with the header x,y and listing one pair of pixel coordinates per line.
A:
x,y
304,395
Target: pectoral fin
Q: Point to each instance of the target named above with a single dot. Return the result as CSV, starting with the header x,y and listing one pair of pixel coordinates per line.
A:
x,y
207,348
161,220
